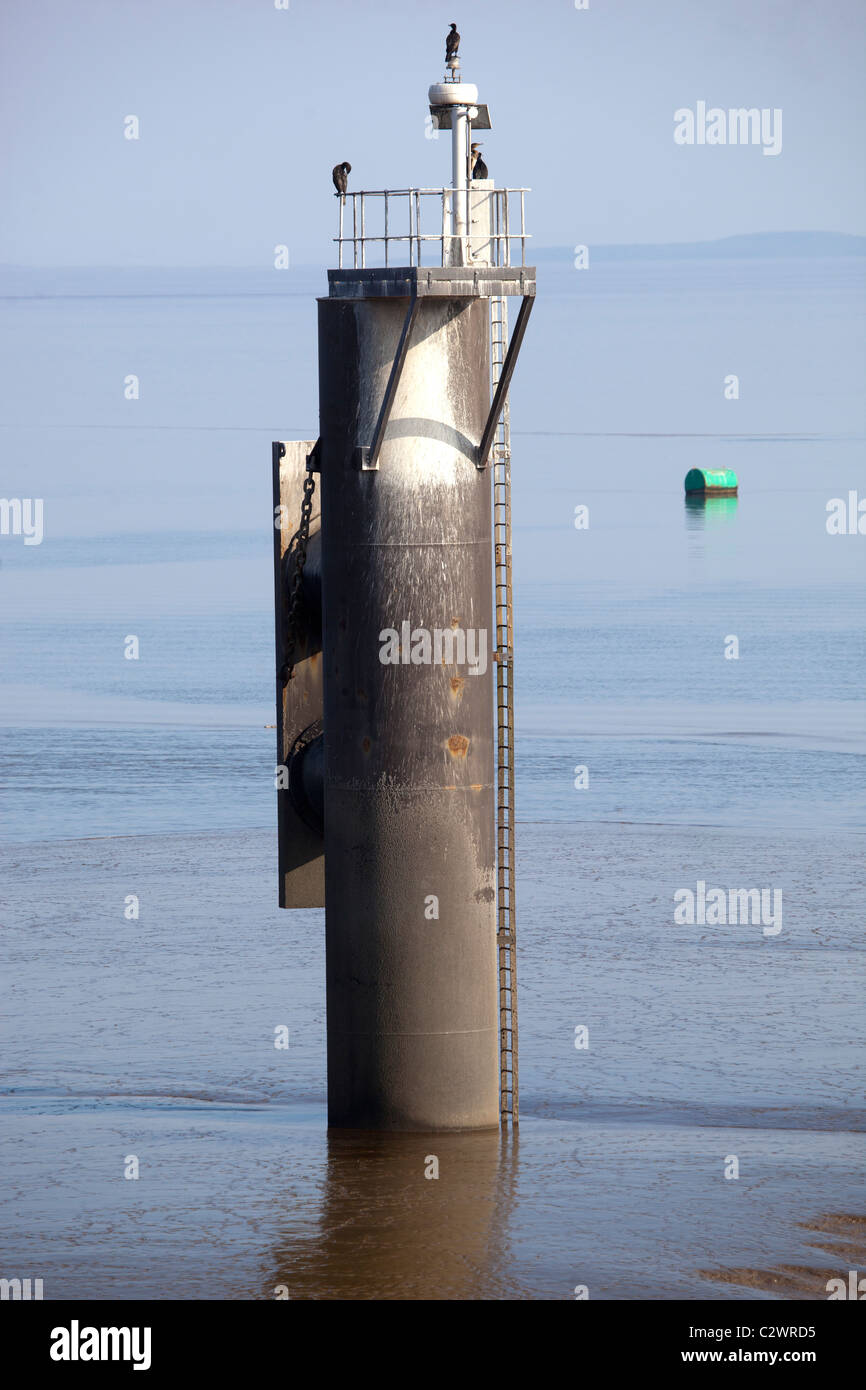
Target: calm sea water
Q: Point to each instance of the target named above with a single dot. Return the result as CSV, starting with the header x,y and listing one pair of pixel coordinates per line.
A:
x,y
154,777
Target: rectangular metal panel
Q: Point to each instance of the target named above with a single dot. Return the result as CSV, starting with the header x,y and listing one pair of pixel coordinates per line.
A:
x,y
299,702
442,117
481,218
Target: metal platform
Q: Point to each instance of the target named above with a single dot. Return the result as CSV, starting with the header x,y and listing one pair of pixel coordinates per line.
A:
x,y
412,281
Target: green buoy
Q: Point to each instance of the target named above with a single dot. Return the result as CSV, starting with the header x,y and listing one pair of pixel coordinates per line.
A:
x,y
711,482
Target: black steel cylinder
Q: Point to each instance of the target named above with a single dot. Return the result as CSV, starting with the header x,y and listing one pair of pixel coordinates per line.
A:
x,y
408,715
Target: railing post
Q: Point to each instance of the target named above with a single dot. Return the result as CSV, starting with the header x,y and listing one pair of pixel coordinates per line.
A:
x,y
411,233
355,230
522,227
363,240
386,229
444,223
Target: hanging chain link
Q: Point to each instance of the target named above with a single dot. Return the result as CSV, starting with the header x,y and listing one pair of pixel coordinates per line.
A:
x,y
296,558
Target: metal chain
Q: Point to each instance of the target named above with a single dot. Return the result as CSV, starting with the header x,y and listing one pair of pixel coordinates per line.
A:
x,y
296,555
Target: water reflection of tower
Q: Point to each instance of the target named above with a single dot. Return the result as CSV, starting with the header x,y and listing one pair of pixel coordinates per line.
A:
x,y
387,1231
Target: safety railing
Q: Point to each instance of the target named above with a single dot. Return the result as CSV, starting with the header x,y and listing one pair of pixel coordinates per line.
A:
x,y
374,224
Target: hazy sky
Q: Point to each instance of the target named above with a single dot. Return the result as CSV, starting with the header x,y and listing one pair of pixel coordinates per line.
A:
x,y
244,108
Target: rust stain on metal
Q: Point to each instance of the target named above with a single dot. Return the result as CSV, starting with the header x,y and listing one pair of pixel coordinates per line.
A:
x,y
458,745
366,745
457,684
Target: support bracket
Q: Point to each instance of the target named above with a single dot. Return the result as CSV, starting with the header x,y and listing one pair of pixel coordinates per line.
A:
x,y
501,392
367,459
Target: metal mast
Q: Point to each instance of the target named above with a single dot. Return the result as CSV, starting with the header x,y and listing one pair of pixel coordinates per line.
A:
x,y
500,458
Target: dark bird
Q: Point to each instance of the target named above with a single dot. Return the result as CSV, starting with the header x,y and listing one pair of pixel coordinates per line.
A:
x,y
479,168
452,43
340,174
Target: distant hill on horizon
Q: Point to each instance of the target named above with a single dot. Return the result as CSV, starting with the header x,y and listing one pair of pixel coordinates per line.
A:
x,y
139,280
775,244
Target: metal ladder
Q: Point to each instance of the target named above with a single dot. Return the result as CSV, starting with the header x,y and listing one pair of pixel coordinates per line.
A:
x,y
506,925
